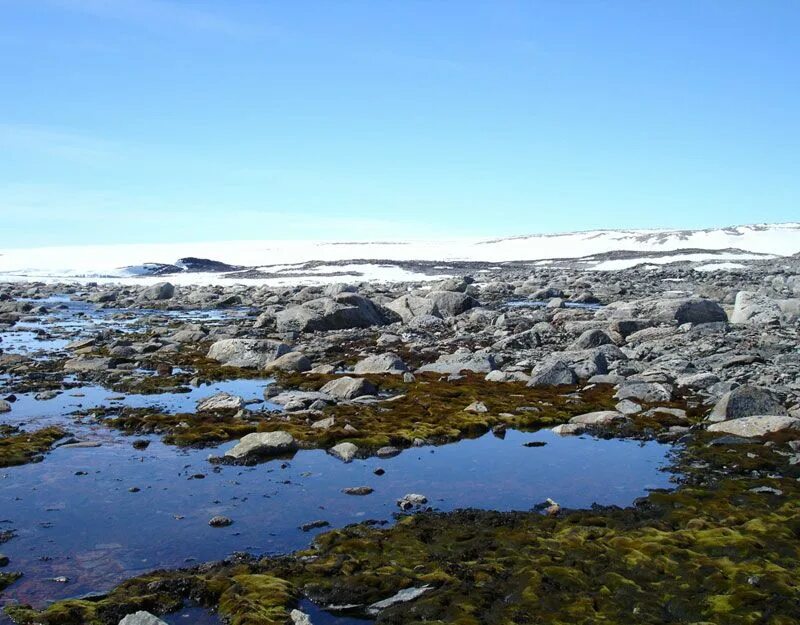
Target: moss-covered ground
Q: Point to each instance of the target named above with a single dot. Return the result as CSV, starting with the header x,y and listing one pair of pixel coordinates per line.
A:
x,y
19,447
428,408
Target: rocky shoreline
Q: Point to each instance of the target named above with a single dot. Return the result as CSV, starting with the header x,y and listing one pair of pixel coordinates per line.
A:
x,y
707,361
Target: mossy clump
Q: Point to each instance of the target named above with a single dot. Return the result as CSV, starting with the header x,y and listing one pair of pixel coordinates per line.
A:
x,y
184,430
6,579
242,597
195,359
433,409
256,599
161,592
18,447
428,408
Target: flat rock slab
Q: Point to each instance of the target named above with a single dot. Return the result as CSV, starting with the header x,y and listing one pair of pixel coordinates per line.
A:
x,y
247,353
757,425
405,595
220,401
601,417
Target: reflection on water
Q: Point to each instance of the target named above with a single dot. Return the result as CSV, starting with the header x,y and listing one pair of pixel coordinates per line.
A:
x,y
67,320
79,513
193,615
33,413
318,616
31,343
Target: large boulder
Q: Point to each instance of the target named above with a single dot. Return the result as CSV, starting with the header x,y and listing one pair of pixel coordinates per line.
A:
x,y
410,306
546,293
697,310
552,372
756,425
441,304
689,310
754,309
745,401
381,363
459,284
477,362
589,362
247,353
343,311
591,338
293,362
348,388
790,308
450,303
650,392
266,320
157,292
527,339
567,367
262,445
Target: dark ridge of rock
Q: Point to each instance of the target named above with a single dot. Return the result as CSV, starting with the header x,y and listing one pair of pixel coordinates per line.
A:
x,y
191,264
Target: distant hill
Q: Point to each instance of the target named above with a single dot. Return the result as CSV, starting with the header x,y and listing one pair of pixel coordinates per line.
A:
x,y
392,260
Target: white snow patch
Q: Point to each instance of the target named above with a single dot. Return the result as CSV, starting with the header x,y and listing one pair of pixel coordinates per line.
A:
x,y
720,266
122,262
627,263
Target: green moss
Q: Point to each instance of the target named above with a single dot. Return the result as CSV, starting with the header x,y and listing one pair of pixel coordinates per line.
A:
x,y
433,409
6,579
241,596
18,447
195,359
429,409
256,600
185,430
158,593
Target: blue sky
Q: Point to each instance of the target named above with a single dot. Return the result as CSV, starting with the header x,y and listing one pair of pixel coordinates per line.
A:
x,y
158,121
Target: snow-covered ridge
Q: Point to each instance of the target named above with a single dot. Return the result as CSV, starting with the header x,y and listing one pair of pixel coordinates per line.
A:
x,y
283,261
